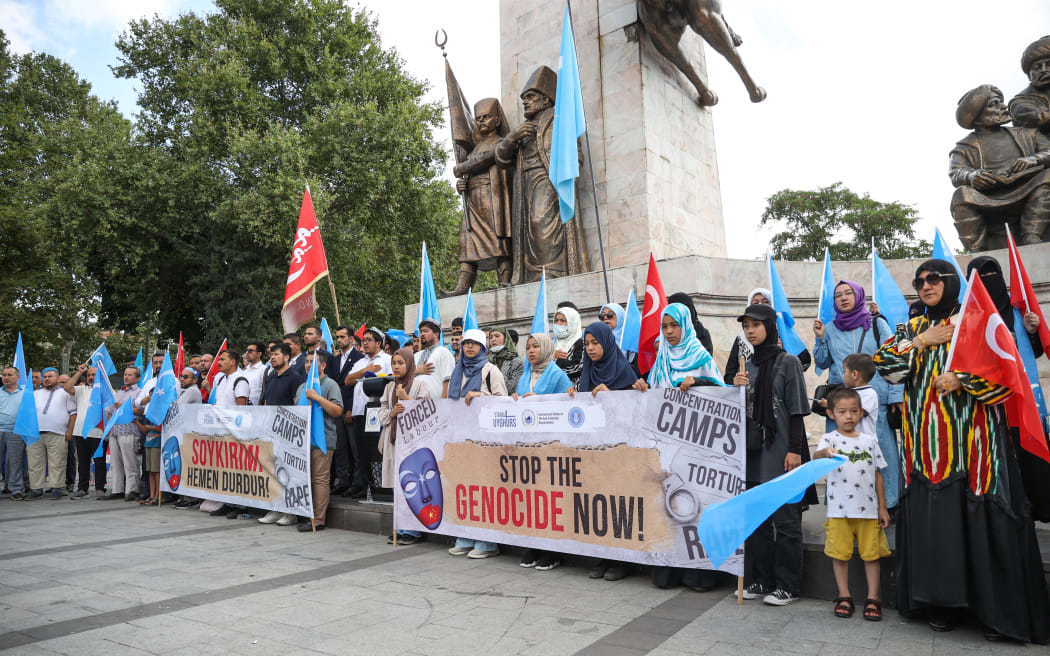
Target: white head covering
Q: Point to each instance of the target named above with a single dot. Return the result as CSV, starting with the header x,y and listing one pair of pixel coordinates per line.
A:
x,y
745,349
575,329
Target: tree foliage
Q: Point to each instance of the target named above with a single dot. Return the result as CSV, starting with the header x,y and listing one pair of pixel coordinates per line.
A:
x,y
838,219
183,219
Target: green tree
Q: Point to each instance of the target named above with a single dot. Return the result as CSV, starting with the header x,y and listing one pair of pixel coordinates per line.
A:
x,y
838,219
241,109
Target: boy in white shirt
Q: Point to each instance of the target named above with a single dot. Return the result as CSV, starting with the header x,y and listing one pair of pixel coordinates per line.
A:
x,y
857,371
856,502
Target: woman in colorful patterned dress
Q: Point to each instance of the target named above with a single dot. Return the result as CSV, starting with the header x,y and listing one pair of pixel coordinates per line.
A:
x,y
965,537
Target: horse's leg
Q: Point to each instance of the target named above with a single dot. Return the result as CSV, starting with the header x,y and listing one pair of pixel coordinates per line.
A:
x,y
665,39
714,29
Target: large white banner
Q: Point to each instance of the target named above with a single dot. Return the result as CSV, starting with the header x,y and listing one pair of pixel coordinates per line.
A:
x,y
624,475
256,456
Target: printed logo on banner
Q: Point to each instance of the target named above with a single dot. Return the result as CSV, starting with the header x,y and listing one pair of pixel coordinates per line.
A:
x,y
504,419
239,420
528,418
576,417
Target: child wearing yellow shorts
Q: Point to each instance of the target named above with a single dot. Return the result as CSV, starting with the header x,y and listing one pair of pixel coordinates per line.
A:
x,y
856,501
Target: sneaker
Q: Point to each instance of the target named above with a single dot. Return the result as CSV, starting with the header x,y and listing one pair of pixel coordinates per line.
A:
x,y
617,571
17,496
405,540
779,597
460,551
287,520
756,591
56,494
306,528
35,494
474,553
180,504
234,513
131,497
271,517
79,494
546,563
528,558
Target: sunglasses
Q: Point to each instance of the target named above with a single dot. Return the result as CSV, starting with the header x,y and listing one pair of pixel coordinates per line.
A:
x,y
932,278
607,315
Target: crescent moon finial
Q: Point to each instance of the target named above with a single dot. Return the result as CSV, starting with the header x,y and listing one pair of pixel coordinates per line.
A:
x,y
440,39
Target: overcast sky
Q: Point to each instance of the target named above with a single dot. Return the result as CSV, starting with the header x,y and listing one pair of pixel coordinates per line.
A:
x,y
862,93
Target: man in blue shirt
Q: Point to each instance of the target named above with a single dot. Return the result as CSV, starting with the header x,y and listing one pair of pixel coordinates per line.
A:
x,y
10,399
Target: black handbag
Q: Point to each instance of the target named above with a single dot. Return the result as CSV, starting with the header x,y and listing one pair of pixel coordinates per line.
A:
x,y
821,393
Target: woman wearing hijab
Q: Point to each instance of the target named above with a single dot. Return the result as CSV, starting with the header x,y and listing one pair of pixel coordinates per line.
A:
x,y
406,387
504,355
777,403
541,376
742,349
856,330
474,376
702,333
1035,472
965,537
612,315
682,361
568,342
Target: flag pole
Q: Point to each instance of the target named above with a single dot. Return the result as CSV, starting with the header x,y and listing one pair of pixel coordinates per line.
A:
x,y
331,286
590,167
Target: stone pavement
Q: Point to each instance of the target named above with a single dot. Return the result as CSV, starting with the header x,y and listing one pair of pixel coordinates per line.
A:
x,y
114,578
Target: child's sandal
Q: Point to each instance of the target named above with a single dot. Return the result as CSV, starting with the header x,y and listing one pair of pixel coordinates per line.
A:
x,y
873,610
844,607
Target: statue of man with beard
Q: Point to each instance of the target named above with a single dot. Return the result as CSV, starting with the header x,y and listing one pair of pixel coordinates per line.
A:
x,y
1000,174
1031,107
539,239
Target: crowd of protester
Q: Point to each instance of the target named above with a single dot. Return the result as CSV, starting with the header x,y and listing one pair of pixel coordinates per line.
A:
x,y
930,451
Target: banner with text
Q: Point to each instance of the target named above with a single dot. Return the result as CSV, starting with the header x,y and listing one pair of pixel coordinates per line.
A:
x,y
256,456
624,475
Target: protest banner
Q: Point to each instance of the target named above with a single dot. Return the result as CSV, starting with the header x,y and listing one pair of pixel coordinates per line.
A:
x,y
623,475
256,456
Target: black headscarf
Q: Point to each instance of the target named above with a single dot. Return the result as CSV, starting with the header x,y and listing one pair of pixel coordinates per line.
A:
x,y
949,303
701,333
612,369
764,356
991,274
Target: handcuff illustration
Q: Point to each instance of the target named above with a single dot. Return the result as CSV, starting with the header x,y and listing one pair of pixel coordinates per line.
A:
x,y
681,503
282,475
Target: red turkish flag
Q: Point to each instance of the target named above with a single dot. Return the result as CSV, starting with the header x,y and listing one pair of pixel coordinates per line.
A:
x,y
1022,296
180,359
213,370
360,333
983,346
308,265
652,309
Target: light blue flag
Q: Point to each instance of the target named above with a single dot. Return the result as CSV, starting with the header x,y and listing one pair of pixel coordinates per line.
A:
x,y
724,526
317,436
101,398
569,124
20,362
632,325
125,414
540,320
942,252
470,315
826,302
400,335
165,392
326,335
147,375
1024,348
887,294
428,304
107,362
793,344
138,365
26,425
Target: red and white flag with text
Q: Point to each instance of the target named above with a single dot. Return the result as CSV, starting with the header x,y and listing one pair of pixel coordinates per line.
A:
x,y
308,265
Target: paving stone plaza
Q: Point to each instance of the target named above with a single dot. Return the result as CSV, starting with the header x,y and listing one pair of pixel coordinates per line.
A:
x,y
113,578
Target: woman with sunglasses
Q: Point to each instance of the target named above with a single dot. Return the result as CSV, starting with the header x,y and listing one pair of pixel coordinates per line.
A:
x,y
965,537
856,330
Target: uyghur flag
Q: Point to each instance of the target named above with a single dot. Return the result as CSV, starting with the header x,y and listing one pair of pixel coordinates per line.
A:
x,y
326,335
540,320
317,436
888,296
632,325
102,398
428,304
26,425
308,265
470,315
793,344
942,252
20,362
165,392
569,124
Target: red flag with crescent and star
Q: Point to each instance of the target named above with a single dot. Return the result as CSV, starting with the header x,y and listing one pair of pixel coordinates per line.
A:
x,y
652,309
983,346
1022,296
308,265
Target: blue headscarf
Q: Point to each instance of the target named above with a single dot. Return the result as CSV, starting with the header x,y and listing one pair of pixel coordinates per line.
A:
x,y
617,332
469,367
612,370
686,358
552,379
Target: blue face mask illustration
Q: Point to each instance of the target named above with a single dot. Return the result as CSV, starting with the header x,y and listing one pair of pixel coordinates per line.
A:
x,y
421,483
171,460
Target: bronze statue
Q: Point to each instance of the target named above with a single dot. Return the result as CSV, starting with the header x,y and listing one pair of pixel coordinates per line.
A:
x,y
1000,173
1031,107
484,235
666,20
540,241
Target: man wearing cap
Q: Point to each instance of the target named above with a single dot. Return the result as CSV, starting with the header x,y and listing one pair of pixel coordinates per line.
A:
x,y
539,239
56,412
1031,107
376,362
86,437
1000,175
434,363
